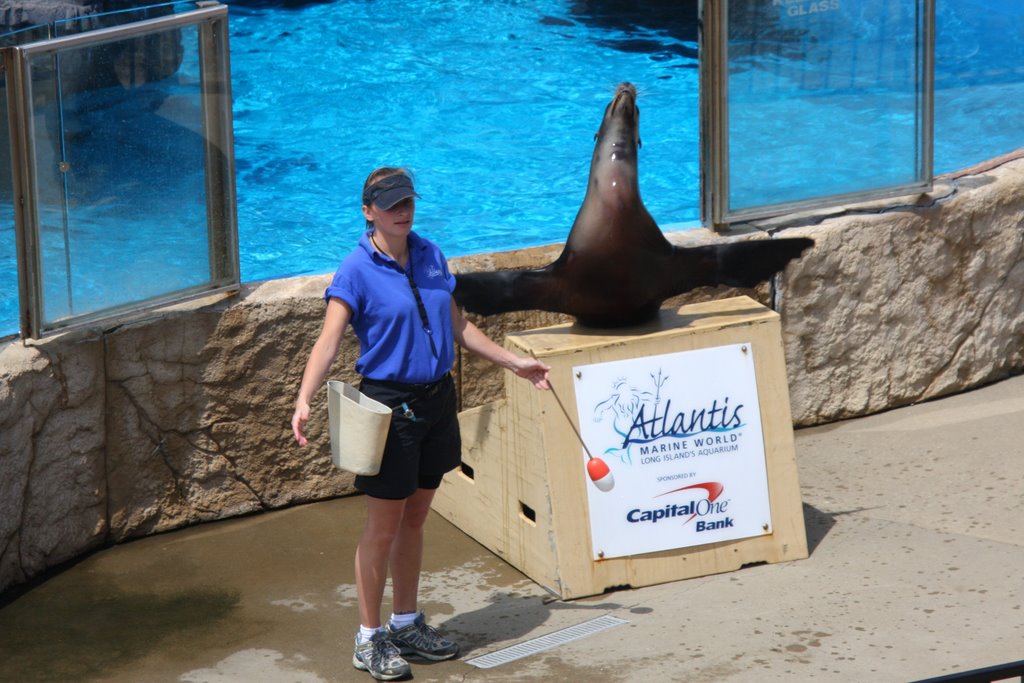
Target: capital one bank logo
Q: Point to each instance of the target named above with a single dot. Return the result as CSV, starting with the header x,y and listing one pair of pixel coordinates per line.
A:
x,y
711,504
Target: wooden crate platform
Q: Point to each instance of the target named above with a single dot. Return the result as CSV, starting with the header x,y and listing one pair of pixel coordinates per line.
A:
x,y
520,491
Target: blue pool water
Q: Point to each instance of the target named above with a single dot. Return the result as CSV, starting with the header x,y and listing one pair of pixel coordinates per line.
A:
x,y
493,105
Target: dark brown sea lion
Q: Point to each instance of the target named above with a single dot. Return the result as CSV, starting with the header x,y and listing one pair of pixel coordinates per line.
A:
x,y
617,268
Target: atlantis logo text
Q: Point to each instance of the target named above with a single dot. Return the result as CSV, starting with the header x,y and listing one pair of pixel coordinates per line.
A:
x,y
663,424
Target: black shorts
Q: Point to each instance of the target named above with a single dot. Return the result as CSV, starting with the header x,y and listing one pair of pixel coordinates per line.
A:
x,y
420,448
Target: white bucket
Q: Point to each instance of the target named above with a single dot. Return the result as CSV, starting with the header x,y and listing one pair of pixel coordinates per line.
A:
x,y
358,426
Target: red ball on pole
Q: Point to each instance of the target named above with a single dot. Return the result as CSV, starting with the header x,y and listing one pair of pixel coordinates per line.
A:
x,y
600,474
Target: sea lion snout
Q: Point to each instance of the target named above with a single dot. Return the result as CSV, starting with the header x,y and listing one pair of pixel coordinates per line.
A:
x,y
621,124
623,102
625,89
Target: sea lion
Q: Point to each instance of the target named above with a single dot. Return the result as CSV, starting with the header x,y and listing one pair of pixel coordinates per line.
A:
x,y
617,268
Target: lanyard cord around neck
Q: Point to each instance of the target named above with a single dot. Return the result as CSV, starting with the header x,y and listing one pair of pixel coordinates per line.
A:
x,y
419,305
416,293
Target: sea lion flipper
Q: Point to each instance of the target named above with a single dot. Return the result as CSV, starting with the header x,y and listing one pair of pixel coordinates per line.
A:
x,y
745,264
735,264
503,291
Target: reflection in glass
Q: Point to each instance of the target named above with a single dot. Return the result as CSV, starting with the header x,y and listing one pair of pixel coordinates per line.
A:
x,y
824,98
128,230
127,185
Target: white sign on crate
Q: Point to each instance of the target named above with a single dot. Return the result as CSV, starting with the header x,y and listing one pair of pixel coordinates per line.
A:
x,y
674,452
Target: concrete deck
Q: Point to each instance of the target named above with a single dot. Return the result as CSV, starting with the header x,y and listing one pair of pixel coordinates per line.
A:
x,y
915,520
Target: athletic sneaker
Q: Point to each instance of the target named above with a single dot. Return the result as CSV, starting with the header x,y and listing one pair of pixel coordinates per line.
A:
x,y
381,658
419,639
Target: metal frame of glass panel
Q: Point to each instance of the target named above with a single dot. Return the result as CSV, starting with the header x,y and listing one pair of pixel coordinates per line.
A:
x,y
714,125
221,210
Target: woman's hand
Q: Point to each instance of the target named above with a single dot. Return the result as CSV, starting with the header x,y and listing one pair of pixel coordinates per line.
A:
x,y
471,338
299,420
320,358
533,370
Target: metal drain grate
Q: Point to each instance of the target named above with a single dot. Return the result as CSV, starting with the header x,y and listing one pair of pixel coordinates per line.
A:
x,y
529,647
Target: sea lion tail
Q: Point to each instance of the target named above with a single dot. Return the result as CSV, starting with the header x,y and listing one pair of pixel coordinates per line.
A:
x,y
502,291
745,264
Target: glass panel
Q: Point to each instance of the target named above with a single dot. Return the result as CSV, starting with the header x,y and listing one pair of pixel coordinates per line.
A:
x,y
131,165
9,316
824,98
93,22
26,35
8,246
53,234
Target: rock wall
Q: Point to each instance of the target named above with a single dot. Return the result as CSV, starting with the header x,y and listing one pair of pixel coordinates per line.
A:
x,y
183,416
904,305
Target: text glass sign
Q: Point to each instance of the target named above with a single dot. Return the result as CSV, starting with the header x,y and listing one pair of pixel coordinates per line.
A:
x,y
676,450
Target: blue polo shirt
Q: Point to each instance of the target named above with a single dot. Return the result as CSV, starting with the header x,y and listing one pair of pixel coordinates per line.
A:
x,y
392,342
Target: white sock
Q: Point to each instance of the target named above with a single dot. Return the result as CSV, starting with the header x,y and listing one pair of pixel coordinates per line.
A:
x,y
402,620
366,632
